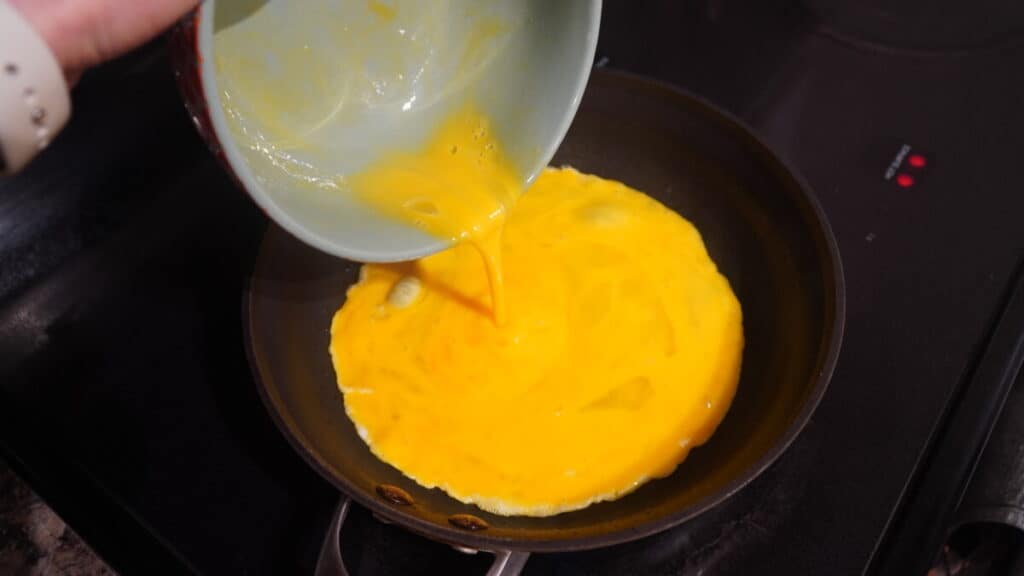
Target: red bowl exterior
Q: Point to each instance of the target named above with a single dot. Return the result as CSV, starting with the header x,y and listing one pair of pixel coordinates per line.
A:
x,y
187,60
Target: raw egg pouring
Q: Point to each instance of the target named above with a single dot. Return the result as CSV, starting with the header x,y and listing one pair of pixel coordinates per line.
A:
x,y
576,341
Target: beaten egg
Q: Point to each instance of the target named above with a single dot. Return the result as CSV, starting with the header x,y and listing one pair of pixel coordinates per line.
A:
x,y
575,342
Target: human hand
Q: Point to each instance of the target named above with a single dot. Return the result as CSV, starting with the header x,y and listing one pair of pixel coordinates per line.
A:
x,y
83,33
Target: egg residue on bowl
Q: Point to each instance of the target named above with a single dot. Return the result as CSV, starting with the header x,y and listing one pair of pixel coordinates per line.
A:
x,y
618,351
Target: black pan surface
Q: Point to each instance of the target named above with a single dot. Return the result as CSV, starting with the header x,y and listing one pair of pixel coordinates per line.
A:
x,y
761,226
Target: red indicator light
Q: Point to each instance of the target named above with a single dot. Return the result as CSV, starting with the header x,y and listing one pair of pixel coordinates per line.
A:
x,y
917,161
905,180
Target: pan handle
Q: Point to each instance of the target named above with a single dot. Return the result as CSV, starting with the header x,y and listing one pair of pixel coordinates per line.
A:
x,y
330,563
508,563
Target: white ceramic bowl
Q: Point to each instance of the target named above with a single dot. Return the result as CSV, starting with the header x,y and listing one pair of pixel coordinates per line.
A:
x,y
300,93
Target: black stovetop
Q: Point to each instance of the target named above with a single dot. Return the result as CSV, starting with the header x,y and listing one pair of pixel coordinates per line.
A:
x,y
127,402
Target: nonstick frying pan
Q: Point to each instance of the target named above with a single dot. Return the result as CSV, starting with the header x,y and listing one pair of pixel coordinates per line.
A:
x,y
760,224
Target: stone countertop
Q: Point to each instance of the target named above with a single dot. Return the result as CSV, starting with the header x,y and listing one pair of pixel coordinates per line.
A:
x,y
34,540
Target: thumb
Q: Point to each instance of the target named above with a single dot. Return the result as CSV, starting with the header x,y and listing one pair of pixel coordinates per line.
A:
x,y
83,33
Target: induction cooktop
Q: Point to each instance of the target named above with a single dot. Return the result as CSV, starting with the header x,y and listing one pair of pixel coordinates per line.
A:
x,y
127,402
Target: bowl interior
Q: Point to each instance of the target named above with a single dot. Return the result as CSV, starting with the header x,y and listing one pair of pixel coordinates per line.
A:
x,y
302,94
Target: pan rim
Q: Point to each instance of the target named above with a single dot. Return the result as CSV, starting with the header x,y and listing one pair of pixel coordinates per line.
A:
x,y
828,355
